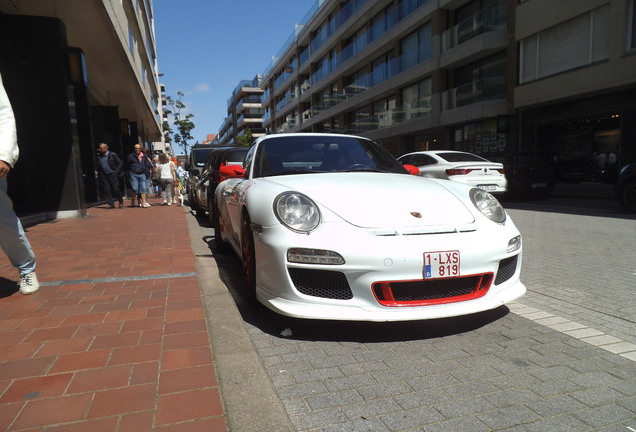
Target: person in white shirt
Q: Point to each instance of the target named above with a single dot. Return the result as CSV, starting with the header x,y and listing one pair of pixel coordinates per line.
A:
x,y
12,237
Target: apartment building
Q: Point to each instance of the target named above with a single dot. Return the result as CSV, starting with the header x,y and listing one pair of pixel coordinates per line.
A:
x,y
485,76
576,83
244,112
78,73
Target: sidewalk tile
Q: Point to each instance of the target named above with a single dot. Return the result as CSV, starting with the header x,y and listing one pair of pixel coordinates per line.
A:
x,y
123,400
136,422
81,361
192,378
100,379
52,411
23,390
180,407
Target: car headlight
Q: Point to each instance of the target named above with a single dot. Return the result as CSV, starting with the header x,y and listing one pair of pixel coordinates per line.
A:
x,y
488,205
296,211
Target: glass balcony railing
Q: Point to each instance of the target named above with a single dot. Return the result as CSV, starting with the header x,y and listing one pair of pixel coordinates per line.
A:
x,y
488,20
474,92
391,117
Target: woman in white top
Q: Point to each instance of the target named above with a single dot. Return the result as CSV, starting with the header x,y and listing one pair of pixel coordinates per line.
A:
x,y
166,167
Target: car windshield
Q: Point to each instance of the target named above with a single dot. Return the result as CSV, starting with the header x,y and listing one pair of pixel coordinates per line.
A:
x,y
461,157
199,156
297,154
234,156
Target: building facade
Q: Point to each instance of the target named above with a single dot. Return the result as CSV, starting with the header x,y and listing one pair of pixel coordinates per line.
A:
x,y
78,73
244,113
485,76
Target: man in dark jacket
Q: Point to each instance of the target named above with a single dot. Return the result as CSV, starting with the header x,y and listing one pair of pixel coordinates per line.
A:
x,y
109,167
138,166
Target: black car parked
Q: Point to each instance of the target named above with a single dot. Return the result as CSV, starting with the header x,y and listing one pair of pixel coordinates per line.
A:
x,y
626,186
209,177
528,172
198,155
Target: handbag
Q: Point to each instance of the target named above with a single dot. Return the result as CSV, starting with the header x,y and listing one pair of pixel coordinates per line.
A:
x,y
156,176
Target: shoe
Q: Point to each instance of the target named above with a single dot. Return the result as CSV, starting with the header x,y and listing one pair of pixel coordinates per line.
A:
x,y
121,204
169,204
164,202
111,205
146,205
29,283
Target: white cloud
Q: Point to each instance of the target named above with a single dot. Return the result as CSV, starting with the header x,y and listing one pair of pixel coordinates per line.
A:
x,y
202,88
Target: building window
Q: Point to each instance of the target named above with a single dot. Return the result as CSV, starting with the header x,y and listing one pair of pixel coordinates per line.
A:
x,y
131,41
416,100
578,42
416,47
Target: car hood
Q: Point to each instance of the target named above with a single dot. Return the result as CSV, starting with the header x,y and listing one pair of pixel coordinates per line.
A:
x,y
394,202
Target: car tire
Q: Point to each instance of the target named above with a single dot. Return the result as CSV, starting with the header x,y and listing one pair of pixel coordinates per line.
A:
x,y
249,259
627,195
219,245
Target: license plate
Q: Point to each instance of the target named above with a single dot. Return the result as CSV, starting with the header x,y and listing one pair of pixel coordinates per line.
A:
x,y
441,264
487,187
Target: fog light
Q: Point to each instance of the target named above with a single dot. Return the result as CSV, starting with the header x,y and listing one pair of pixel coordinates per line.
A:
x,y
314,256
514,244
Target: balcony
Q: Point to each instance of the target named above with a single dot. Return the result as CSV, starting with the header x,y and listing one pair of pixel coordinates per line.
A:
x,y
488,20
477,91
391,117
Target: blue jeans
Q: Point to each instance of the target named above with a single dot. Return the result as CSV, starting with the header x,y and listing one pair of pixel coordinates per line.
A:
x,y
12,238
139,183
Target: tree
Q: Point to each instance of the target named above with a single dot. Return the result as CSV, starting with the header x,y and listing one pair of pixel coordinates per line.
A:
x,y
183,124
245,140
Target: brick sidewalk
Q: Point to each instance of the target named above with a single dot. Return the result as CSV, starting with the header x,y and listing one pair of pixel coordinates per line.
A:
x,y
116,338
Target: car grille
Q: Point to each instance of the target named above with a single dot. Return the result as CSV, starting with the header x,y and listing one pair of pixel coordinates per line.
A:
x,y
321,283
507,268
425,292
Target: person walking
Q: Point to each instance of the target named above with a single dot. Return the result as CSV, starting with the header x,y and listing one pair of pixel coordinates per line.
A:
x,y
156,186
110,169
13,240
139,168
168,176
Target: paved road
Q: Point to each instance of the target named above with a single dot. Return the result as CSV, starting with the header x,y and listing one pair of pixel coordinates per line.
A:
x,y
563,358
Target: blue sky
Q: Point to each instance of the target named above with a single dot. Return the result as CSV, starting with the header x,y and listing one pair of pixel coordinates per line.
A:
x,y
206,47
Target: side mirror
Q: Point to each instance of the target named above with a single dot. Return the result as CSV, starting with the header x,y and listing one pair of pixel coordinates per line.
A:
x,y
412,169
232,171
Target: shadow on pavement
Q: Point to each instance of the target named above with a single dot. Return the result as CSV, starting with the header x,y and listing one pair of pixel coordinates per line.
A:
x,y
599,207
8,287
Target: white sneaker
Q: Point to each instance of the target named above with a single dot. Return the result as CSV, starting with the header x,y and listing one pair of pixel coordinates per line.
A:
x,y
29,283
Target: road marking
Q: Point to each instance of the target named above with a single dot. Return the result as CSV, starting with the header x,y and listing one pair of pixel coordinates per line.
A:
x,y
576,330
118,279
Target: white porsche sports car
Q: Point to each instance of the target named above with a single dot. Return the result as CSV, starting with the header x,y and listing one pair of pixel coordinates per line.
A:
x,y
333,227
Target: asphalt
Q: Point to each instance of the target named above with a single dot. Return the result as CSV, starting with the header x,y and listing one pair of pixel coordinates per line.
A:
x,y
140,326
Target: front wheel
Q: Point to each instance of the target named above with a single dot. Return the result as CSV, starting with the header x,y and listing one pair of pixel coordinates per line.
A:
x,y
627,196
249,259
215,221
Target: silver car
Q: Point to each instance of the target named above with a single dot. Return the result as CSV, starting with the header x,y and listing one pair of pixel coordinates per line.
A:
x,y
463,167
